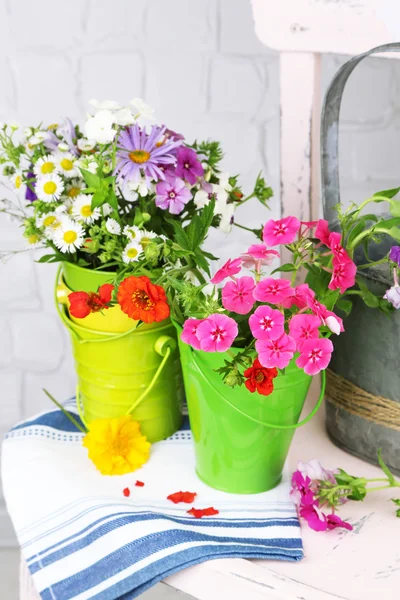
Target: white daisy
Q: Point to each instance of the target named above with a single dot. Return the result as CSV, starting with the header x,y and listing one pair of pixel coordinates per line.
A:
x,y
44,166
82,210
107,209
16,180
113,226
69,236
65,162
100,127
131,252
34,241
74,188
86,145
63,147
133,232
49,187
50,222
146,237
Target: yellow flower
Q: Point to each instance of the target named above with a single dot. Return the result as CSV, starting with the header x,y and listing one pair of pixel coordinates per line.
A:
x,y
116,446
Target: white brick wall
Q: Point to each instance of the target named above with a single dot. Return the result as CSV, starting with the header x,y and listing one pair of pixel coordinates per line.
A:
x,y
201,66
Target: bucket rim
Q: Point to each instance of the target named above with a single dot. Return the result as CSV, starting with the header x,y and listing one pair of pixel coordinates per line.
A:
x,y
85,269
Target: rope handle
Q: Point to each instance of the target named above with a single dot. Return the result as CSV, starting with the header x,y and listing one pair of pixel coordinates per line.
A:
x,y
265,423
330,129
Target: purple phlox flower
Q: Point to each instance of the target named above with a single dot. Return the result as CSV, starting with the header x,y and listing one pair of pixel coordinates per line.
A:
x,y
334,521
393,296
188,166
51,142
142,151
173,135
30,188
315,471
172,194
394,254
314,516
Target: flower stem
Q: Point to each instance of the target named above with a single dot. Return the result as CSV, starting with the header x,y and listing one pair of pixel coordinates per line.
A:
x,y
67,414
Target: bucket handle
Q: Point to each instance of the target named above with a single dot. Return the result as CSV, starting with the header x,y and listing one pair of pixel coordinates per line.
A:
x,y
58,295
164,345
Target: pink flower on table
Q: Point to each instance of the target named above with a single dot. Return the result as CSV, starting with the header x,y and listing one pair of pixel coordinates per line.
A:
x,y
267,323
314,471
315,355
334,521
237,296
322,232
258,255
283,231
301,492
274,291
304,327
335,244
189,333
231,267
343,276
217,333
314,516
276,353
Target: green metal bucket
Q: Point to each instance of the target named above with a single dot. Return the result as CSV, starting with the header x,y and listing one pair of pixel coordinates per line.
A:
x,y
241,439
136,372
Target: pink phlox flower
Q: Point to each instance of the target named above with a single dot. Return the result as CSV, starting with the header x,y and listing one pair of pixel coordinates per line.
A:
x,y
282,231
333,521
314,516
237,296
343,276
322,232
315,355
273,290
317,308
304,327
299,298
231,267
259,255
335,244
189,333
217,333
276,353
301,489
314,471
267,323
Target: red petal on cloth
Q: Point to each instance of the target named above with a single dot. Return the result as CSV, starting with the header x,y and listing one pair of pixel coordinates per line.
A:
x,y
187,497
139,484
126,492
203,512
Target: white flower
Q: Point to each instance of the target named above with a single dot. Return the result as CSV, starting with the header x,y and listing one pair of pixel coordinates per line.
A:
x,y
124,117
225,224
74,188
44,166
105,105
63,147
315,471
87,164
146,237
16,180
82,209
333,324
107,209
28,131
42,135
113,226
142,109
86,145
69,236
224,181
50,222
34,141
49,187
99,127
140,185
133,232
131,252
202,198
65,162
129,194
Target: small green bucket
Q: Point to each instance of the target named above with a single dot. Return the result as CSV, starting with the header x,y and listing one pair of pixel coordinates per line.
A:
x,y
241,439
136,372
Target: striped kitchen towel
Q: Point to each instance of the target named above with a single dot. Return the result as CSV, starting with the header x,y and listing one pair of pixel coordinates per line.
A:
x,y
83,539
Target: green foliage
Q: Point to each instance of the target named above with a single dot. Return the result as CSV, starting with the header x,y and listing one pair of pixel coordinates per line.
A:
x,y
385,468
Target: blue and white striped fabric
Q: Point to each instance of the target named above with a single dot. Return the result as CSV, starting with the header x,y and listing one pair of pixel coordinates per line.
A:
x,y
82,539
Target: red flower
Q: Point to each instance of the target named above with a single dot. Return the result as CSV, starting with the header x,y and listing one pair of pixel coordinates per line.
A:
x,y
142,301
126,492
203,512
139,484
84,303
260,378
187,497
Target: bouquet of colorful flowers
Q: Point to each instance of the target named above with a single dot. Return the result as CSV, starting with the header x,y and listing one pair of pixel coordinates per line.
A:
x,y
264,321
120,195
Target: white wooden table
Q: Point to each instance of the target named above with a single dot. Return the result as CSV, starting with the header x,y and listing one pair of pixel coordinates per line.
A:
x,y
363,564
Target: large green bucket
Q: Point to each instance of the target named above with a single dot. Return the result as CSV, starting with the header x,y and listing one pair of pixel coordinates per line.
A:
x,y
136,372
241,439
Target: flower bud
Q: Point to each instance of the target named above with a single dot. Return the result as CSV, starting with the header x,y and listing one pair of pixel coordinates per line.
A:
x,y
8,170
94,230
233,378
146,217
151,252
104,257
110,245
333,324
91,246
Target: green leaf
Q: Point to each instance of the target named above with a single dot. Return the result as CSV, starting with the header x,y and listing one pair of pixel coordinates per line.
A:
x,y
181,236
385,468
286,268
91,179
200,224
98,199
202,262
357,229
394,232
344,305
389,223
396,501
387,193
395,208
358,494
330,298
46,258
